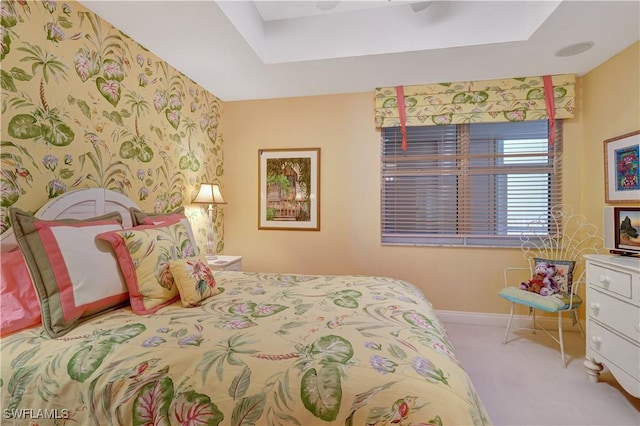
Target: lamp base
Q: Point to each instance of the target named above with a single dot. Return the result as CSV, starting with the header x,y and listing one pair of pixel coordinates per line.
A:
x,y
210,257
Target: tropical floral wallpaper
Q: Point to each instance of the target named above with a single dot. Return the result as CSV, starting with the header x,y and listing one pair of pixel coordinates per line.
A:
x,y
84,105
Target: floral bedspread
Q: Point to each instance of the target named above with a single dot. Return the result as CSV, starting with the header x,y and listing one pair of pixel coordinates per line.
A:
x,y
271,349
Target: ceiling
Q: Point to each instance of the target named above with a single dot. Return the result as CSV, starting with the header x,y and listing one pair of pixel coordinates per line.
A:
x,y
241,50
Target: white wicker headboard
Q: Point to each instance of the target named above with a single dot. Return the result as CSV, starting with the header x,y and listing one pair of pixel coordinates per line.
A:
x,y
80,204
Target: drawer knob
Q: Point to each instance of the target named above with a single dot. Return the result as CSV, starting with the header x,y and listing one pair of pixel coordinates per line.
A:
x,y
605,280
595,306
596,340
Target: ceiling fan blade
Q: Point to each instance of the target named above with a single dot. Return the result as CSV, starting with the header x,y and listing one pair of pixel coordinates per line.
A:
x,y
421,5
326,5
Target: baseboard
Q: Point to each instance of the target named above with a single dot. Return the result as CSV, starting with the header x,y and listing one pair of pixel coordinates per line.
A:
x,y
501,320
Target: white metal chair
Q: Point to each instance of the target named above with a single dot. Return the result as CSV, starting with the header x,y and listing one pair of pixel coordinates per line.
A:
x,y
560,238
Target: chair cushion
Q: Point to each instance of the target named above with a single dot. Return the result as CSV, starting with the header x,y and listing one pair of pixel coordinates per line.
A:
x,y
554,303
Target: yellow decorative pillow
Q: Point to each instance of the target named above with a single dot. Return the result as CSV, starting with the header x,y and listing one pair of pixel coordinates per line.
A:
x,y
144,253
194,280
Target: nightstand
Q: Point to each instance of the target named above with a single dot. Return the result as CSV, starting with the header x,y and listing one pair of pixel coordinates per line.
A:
x,y
225,263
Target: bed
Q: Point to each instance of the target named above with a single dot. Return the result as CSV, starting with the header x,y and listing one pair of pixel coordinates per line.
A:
x,y
259,349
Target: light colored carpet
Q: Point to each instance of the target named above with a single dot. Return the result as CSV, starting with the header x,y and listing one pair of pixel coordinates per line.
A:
x,y
523,382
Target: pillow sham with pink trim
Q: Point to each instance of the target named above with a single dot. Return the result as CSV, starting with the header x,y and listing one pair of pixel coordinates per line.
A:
x,y
138,218
143,254
75,275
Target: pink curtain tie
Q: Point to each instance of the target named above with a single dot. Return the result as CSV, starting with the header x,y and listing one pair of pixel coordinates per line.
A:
x,y
551,108
403,116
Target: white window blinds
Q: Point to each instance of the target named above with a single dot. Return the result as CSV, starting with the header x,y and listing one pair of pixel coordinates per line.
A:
x,y
468,184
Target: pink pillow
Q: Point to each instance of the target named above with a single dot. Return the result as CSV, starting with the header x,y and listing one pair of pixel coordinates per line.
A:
x,y
165,219
18,299
159,219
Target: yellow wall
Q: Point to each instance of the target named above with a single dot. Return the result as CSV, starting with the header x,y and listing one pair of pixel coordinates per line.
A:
x,y
462,279
611,107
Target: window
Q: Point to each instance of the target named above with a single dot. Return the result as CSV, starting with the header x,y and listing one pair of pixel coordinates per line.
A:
x,y
469,184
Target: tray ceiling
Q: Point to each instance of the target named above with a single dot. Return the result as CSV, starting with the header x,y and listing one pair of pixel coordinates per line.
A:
x,y
269,49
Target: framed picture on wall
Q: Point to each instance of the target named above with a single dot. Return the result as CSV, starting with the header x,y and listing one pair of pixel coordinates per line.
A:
x,y
289,189
621,172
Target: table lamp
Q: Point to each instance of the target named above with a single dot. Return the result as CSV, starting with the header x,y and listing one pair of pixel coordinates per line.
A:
x,y
210,194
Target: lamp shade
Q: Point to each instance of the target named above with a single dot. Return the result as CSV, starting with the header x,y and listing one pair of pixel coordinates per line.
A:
x,y
209,194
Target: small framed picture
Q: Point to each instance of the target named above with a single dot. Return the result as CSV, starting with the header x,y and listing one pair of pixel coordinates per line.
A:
x,y
627,224
289,189
622,175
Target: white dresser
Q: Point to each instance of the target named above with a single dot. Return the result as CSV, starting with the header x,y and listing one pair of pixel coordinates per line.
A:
x,y
613,319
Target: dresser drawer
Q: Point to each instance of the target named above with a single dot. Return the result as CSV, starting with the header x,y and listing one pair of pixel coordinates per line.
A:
x,y
620,316
614,281
614,348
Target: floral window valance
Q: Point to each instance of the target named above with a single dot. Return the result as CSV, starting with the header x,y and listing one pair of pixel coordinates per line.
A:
x,y
510,99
